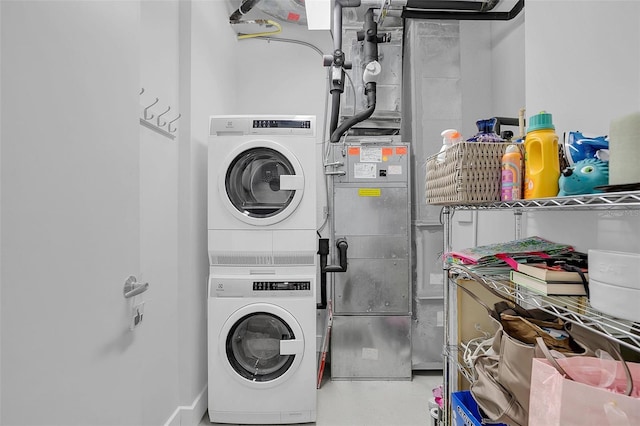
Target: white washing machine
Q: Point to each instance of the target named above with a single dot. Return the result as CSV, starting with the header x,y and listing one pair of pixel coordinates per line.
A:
x,y
261,334
262,190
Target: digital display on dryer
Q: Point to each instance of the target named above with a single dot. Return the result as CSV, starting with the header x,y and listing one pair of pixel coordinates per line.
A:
x,y
281,124
281,285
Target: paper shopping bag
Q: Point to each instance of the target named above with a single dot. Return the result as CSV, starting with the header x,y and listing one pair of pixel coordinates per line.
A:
x,y
558,401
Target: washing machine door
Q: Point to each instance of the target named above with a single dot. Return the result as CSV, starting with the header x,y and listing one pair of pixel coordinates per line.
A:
x,y
263,182
263,345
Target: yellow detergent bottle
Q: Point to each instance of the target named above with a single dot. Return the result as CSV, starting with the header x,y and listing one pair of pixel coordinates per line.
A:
x,y
541,161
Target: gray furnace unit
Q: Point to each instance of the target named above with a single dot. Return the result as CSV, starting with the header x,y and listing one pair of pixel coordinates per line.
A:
x,y
371,335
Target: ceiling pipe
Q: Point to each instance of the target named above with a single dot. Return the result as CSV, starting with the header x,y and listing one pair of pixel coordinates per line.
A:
x,y
452,5
337,61
463,16
370,38
244,8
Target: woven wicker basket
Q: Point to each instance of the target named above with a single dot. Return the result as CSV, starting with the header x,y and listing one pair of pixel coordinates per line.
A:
x,y
470,173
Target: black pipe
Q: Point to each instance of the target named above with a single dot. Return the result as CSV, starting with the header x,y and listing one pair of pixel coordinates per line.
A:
x,y
451,5
244,8
342,247
338,60
323,251
370,91
369,35
371,39
506,121
464,16
335,109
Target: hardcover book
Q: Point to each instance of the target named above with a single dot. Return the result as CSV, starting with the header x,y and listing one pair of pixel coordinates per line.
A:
x,y
550,273
563,288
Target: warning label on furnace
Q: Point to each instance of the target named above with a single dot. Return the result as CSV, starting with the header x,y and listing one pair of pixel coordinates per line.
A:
x,y
370,154
369,192
364,171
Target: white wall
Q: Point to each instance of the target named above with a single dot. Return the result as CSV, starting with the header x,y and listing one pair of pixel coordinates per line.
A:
x,y
0,211
159,209
583,61
207,87
183,53
585,78
70,212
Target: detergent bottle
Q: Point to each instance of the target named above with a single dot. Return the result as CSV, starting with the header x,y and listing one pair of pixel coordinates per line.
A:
x,y
511,185
541,161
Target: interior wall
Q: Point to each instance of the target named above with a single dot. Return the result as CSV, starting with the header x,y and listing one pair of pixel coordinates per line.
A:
x,y
508,68
70,212
584,90
207,87
179,61
581,76
506,56
1,212
159,76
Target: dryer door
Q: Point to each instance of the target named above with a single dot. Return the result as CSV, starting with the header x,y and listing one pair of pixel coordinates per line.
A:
x,y
263,183
263,344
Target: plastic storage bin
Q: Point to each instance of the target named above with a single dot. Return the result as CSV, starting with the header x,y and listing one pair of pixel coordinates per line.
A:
x,y
464,410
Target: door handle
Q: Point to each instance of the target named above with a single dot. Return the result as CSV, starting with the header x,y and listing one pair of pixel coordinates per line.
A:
x,y
291,347
132,287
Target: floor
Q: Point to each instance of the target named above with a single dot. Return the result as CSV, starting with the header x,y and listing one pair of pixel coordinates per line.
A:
x,y
375,403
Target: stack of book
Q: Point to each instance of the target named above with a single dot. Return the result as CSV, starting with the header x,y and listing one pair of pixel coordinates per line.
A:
x,y
549,280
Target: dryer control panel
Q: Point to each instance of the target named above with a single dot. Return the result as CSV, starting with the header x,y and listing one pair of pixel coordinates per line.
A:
x,y
293,125
261,286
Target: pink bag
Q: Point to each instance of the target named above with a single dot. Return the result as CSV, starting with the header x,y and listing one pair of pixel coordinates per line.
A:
x,y
596,396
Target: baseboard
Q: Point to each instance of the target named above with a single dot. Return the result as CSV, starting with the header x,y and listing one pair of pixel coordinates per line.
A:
x,y
190,415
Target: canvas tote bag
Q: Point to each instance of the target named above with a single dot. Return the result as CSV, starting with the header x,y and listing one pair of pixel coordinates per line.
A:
x,y
502,384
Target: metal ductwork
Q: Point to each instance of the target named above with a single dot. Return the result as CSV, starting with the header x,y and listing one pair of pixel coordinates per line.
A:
x,y
459,10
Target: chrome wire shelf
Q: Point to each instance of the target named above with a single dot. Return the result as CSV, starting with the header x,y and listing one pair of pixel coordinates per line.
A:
x,y
455,355
611,200
578,311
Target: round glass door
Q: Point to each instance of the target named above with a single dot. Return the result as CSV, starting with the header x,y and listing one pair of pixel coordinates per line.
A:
x,y
253,179
253,347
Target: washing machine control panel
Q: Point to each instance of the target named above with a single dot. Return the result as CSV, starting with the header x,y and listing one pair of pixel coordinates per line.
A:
x,y
282,124
281,285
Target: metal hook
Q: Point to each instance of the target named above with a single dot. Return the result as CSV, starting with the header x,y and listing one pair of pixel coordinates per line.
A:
x,y
142,91
171,122
147,108
160,115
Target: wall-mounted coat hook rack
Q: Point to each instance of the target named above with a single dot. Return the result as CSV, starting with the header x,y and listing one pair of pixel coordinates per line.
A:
x,y
160,115
159,123
146,113
171,122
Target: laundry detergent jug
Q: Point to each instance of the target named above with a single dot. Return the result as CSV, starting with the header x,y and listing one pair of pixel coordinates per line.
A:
x,y
541,161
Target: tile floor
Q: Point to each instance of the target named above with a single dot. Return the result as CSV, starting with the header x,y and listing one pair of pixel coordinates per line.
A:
x,y
374,403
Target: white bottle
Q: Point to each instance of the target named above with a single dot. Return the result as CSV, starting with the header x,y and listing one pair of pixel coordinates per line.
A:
x,y
449,137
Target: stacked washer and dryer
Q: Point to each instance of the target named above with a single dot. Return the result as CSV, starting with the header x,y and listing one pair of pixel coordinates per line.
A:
x,y
262,255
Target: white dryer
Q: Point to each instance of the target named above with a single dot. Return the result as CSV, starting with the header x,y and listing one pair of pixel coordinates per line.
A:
x,y
261,341
262,190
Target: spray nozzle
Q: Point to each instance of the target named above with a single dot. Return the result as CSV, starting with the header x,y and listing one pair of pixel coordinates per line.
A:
x,y
450,136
